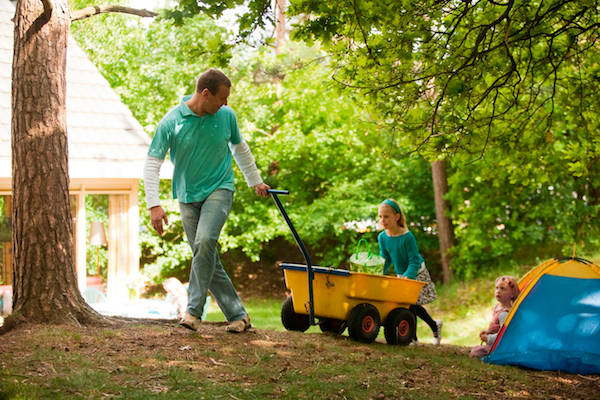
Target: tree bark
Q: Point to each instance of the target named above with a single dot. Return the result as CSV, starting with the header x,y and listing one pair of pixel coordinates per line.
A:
x,y
45,284
444,223
280,27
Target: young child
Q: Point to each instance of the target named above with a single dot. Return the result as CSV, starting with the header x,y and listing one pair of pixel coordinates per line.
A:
x,y
506,292
398,246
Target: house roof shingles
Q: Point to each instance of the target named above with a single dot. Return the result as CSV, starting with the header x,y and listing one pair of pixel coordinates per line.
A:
x,y
105,140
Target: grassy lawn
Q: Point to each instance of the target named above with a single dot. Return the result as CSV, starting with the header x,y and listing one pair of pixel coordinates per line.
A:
x,y
148,360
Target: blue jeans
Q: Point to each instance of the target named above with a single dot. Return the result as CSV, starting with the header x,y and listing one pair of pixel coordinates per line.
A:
x,y
202,222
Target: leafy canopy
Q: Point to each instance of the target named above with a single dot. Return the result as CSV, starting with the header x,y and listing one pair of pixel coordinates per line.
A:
x,y
459,76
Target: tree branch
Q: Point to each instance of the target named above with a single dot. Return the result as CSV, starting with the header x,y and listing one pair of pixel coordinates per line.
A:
x,y
40,21
47,8
94,10
364,35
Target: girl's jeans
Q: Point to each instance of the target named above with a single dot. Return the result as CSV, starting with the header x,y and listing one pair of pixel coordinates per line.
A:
x,y
202,222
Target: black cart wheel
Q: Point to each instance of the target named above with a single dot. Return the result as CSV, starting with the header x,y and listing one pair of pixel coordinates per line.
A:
x,y
332,325
363,323
291,320
399,327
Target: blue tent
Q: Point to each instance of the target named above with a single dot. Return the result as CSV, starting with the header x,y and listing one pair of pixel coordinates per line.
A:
x,y
555,322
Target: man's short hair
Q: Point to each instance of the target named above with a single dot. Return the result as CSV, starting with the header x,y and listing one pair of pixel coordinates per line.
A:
x,y
212,79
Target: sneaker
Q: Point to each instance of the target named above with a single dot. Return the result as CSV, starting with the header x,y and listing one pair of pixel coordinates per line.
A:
x,y
239,326
437,336
190,321
414,342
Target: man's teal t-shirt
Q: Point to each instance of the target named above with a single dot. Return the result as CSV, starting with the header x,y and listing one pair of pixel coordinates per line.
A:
x,y
402,251
199,149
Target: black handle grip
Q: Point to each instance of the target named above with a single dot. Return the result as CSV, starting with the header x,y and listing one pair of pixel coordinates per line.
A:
x,y
276,191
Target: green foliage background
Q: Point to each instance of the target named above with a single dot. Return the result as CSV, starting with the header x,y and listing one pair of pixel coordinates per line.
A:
x,y
342,148
503,91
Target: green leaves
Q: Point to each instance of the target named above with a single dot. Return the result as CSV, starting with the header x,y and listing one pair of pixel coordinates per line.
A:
x,y
480,62
505,91
152,66
323,144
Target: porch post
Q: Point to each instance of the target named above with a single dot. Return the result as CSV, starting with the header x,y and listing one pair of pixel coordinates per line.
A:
x,y
80,239
122,259
133,265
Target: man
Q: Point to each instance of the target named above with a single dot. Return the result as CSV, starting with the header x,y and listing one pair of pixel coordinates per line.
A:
x,y
201,134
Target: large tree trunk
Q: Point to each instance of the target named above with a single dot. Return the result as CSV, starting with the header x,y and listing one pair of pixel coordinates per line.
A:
x,y
445,229
45,284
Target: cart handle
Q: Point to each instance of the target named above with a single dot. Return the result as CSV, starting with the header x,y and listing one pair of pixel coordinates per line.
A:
x,y
277,191
302,248
299,242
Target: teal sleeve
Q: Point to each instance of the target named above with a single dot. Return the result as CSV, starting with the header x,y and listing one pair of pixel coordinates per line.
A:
x,y
414,258
383,253
236,136
161,140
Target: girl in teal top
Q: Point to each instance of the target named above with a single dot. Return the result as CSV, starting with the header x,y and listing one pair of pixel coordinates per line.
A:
x,y
402,252
398,246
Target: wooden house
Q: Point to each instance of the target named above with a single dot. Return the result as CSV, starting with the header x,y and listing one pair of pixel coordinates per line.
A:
x,y
107,149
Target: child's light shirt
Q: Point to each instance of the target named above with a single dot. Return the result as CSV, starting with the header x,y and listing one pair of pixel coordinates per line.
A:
x,y
495,324
491,338
402,251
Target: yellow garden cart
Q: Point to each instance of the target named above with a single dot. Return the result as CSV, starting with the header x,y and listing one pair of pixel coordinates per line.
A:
x,y
341,299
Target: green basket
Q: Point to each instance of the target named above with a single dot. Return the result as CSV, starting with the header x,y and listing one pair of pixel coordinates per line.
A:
x,y
365,261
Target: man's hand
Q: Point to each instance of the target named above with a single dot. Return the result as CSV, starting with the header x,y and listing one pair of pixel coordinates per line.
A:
x,y
261,189
157,215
